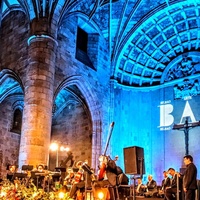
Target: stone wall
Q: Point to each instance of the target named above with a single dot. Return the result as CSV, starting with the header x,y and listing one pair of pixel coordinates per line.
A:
x,y
90,119
9,142
72,129
13,41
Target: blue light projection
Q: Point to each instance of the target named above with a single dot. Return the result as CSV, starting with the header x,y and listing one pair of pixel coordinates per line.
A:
x,y
146,119
158,38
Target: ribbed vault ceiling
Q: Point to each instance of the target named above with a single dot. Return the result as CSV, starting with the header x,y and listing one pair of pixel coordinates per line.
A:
x,y
160,38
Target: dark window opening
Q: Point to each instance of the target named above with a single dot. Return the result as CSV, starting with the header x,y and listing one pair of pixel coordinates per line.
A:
x,y
82,40
82,47
17,121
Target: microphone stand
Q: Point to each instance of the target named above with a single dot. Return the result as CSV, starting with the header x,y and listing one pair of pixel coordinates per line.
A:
x,y
177,185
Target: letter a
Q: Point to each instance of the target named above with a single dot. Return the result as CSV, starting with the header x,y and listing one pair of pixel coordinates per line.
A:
x,y
187,113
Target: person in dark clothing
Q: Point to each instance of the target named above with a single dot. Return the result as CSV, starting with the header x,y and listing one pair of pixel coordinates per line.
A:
x,y
189,178
175,184
165,184
140,189
11,172
151,187
105,178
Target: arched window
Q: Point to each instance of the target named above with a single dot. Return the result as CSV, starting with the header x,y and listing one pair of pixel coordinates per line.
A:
x,y
17,121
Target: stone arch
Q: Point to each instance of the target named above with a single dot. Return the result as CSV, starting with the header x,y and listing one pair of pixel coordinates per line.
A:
x,y
12,9
12,89
184,65
94,108
10,84
11,98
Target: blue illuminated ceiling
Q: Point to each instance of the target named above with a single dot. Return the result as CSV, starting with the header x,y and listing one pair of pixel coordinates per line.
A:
x,y
145,36
9,4
155,40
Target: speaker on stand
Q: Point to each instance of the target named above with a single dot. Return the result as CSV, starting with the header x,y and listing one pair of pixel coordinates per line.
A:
x,y
134,164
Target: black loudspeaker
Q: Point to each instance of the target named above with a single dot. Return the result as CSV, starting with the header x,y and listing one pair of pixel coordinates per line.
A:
x,y
134,160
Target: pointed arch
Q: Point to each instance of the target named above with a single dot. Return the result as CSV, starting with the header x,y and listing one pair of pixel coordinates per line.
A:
x,y
93,106
10,83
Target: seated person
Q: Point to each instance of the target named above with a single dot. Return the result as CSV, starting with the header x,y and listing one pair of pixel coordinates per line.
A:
x,y
171,190
38,176
140,188
151,187
11,172
165,183
69,178
106,177
78,182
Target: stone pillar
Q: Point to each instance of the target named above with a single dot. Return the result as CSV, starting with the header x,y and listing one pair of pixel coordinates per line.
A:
x,y
38,100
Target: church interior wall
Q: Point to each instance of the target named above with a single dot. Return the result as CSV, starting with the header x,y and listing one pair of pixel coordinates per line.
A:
x,y
72,129
139,119
14,57
10,141
13,39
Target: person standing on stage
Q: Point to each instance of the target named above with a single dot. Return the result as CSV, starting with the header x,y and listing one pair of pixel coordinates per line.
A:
x,y
189,178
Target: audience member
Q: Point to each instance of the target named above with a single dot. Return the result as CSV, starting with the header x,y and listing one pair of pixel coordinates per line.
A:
x,y
151,187
189,178
165,184
140,188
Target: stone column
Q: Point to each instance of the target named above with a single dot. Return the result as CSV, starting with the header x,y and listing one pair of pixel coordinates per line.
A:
x,y
38,100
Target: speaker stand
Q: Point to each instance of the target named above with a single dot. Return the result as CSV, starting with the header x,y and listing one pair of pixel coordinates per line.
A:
x,y
133,188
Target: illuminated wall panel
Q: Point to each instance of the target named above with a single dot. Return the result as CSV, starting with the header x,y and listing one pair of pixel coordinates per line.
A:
x,y
146,119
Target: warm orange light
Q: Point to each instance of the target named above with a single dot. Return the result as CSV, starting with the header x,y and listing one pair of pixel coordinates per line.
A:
x,y
54,146
100,195
61,195
64,149
67,149
3,194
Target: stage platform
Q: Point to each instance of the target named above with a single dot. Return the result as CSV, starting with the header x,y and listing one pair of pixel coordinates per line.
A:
x,y
150,198
141,198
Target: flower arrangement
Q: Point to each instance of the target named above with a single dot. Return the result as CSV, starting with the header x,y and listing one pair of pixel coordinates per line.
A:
x,y
18,190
